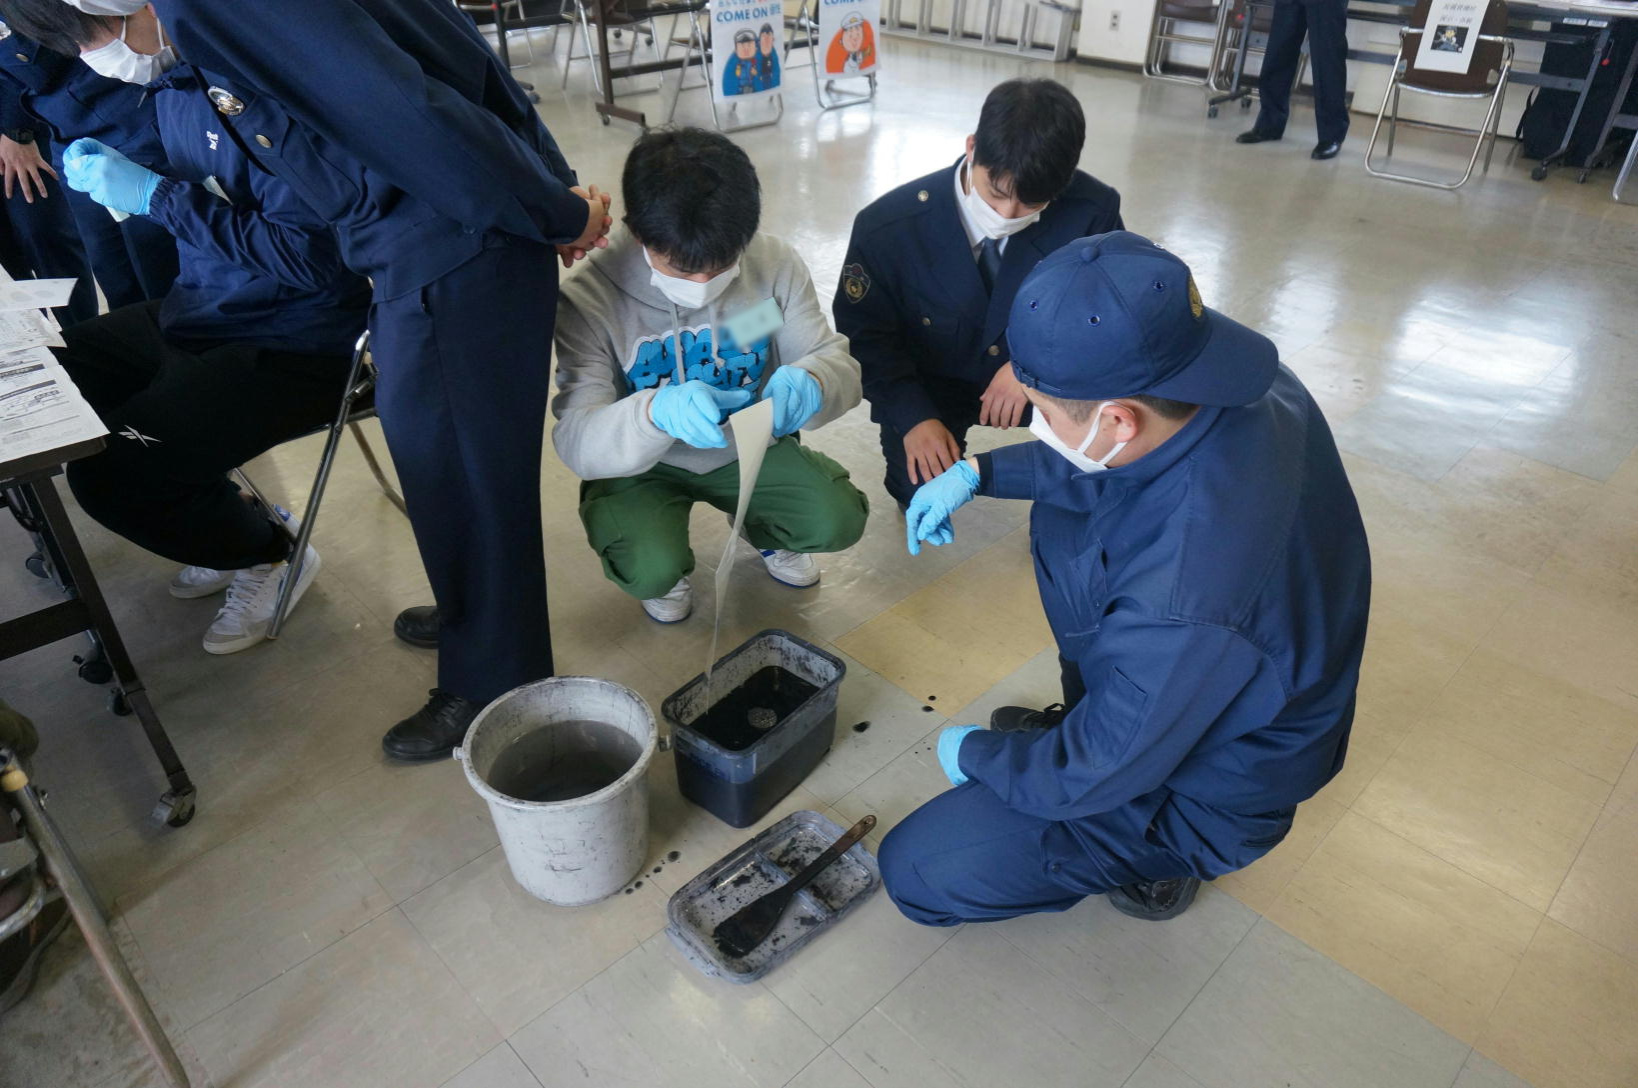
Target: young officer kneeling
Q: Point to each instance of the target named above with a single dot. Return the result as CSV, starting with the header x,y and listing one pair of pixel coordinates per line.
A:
x,y
649,368
1204,569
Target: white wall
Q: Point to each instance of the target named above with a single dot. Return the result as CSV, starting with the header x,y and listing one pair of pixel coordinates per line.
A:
x,y
1127,43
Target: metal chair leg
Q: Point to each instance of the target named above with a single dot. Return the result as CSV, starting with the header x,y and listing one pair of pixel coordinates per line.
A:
x,y
82,904
369,453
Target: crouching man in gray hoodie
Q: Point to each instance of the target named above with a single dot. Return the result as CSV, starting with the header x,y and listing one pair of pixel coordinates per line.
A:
x,y
688,316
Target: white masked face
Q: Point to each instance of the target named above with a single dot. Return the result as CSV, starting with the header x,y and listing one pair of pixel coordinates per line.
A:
x,y
116,60
1076,456
988,220
690,294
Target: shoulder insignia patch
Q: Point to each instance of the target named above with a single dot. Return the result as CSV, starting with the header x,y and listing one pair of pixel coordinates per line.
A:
x,y
855,282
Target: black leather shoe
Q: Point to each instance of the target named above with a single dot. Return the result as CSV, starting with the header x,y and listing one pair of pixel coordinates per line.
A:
x,y
1327,151
1155,900
1254,137
1012,720
418,626
433,731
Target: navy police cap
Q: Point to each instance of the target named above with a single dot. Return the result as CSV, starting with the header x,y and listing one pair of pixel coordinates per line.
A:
x,y
1115,315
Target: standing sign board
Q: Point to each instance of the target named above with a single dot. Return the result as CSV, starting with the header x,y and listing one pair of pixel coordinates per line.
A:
x,y
745,43
848,35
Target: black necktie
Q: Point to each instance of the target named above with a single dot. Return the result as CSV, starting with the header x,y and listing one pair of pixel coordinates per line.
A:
x,y
990,261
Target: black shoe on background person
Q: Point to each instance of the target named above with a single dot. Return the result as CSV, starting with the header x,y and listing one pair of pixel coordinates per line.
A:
x,y
1012,720
418,626
1155,900
433,731
1253,136
1326,149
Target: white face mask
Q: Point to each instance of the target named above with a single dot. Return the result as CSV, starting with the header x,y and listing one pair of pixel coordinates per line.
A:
x,y
690,294
986,218
116,60
1078,456
109,7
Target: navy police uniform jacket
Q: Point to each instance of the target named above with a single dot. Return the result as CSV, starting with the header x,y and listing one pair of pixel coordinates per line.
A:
x,y
395,121
911,301
71,101
257,264
1214,595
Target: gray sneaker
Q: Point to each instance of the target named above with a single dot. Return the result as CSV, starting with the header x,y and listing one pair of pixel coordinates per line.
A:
x,y
245,616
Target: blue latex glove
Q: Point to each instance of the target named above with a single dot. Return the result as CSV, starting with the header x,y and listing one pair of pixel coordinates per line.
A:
x,y
950,747
797,397
694,412
110,179
928,516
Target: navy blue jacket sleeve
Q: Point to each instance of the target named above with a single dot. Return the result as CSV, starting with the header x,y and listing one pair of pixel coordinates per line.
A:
x,y
367,95
13,117
296,256
873,325
1010,472
1155,687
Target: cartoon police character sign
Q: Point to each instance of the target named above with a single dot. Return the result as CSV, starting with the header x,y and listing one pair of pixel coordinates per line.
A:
x,y
852,51
744,35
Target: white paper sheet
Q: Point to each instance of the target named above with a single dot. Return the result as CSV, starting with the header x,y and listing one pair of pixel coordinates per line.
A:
x,y
751,427
1452,36
35,294
40,408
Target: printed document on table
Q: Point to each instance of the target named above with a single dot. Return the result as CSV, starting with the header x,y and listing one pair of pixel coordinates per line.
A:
x,y
40,407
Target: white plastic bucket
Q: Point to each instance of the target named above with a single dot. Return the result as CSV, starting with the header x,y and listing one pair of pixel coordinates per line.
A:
x,y
582,848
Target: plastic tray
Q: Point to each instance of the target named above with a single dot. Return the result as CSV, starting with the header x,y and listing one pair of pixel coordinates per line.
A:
x,y
759,866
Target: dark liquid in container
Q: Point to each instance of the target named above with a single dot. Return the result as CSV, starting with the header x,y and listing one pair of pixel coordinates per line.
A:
x,y
563,761
729,721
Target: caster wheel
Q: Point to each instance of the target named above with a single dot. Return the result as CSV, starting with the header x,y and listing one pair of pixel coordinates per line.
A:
x,y
605,120
118,704
1538,173
95,670
1212,111
1246,103
36,565
1581,177
174,810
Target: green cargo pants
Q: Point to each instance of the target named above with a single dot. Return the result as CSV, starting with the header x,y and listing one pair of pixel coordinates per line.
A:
x,y
639,525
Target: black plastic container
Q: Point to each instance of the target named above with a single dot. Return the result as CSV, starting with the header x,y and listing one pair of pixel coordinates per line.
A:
x,y
739,786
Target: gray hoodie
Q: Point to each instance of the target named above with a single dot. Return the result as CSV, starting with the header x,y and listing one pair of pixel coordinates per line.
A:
x,y
616,338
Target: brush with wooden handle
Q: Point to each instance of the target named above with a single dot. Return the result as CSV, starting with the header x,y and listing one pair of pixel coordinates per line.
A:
x,y
749,927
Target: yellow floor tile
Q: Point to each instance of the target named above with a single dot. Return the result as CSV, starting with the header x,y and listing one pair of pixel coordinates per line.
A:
x,y
1439,940
1260,884
957,670
1586,641
1598,898
1595,555
1536,721
1567,1015
1513,830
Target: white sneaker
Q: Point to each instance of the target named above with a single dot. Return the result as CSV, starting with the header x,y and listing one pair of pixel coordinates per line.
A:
x,y
191,582
795,569
675,607
243,620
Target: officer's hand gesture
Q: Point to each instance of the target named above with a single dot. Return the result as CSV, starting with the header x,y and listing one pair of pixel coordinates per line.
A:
x,y
598,222
930,449
22,165
1003,403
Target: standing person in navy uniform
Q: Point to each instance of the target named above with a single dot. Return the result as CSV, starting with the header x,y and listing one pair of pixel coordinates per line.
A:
x,y
1326,22
933,265
56,99
38,235
397,124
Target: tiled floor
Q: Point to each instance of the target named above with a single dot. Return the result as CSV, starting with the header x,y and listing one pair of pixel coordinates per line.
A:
x,y
1456,908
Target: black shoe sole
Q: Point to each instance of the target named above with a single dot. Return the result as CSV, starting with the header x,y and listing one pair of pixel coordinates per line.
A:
x,y
1125,904
420,641
419,758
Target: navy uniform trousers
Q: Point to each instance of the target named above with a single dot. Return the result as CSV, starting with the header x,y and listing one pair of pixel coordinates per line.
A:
x,y
966,856
465,373
1326,23
42,240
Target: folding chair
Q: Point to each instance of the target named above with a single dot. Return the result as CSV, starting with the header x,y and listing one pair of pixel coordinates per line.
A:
x,y
1489,63
1165,33
357,405
1065,11
620,17
1244,31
